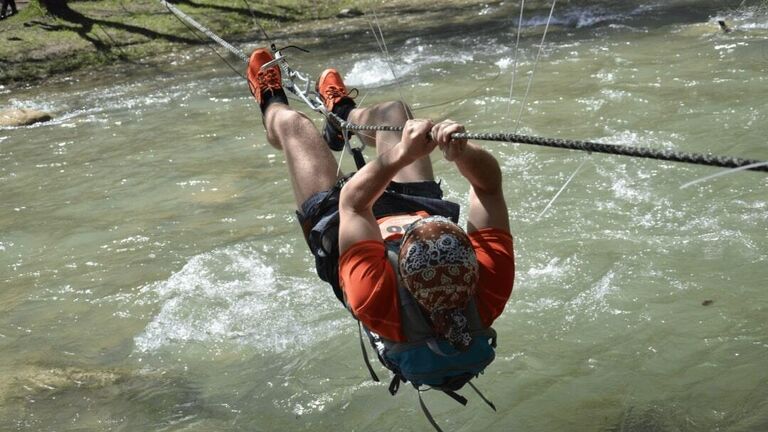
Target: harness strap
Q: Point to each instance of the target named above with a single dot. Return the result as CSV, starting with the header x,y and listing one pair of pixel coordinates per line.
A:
x,y
490,404
365,354
427,414
394,385
455,396
357,154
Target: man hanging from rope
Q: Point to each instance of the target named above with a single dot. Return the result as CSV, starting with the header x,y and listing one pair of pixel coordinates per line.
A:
x,y
386,232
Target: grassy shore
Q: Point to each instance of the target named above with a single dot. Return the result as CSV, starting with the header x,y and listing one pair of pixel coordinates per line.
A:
x,y
37,44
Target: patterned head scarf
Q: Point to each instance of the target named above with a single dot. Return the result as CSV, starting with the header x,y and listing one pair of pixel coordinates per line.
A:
x,y
439,268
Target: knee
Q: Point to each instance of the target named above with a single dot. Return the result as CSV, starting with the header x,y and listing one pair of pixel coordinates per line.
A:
x,y
285,123
395,111
289,121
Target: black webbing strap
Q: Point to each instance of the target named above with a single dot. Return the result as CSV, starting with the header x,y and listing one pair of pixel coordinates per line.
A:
x,y
365,353
427,414
455,396
490,404
357,154
394,385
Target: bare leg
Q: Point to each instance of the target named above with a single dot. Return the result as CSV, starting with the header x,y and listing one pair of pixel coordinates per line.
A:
x,y
310,162
390,114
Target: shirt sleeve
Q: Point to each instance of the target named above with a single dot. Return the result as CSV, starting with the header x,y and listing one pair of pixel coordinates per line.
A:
x,y
370,286
496,261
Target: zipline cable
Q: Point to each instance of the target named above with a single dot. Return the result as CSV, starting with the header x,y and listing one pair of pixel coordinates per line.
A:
x,y
191,30
205,30
589,146
312,101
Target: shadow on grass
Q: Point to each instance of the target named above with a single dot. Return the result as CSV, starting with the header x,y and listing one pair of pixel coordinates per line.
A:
x,y
246,11
74,21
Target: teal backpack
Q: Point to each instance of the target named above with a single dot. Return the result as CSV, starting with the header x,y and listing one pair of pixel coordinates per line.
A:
x,y
426,359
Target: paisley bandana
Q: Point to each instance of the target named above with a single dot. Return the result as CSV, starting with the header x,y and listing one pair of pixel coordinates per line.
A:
x,y
439,268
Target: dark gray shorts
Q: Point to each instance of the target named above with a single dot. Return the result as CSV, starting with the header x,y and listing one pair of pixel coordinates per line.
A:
x,y
319,219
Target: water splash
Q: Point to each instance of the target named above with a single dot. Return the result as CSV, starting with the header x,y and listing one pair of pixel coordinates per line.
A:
x,y
234,295
374,72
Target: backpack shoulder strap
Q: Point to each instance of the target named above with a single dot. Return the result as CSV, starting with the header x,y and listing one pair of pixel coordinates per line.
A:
x,y
414,324
426,412
490,404
365,353
457,397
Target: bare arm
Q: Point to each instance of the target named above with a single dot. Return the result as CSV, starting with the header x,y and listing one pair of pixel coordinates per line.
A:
x,y
487,207
357,222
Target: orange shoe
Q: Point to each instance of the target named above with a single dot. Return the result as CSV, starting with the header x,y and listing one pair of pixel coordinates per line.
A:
x,y
266,85
331,88
337,100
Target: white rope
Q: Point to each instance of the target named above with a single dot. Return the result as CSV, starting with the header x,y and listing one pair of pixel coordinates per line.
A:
x,y
561,189
522,106
722,173
514,65
533,71
388,59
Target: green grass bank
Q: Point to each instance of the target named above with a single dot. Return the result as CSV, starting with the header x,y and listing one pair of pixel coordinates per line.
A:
x,y
43,41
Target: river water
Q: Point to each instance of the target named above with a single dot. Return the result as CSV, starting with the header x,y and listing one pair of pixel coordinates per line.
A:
x,y
154,278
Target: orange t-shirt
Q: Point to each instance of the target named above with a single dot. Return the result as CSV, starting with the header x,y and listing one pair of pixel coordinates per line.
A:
x,y
370,283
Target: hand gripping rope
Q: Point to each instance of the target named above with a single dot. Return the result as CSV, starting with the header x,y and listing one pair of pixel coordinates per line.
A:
x,y
302,86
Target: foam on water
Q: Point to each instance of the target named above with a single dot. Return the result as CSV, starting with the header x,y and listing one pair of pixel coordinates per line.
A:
x,y
96,105
585,16
375,72
754,26
233,295
749,18
595,299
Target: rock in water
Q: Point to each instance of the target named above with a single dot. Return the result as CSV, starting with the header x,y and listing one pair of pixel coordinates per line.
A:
x,y
724,26
22,117
349,13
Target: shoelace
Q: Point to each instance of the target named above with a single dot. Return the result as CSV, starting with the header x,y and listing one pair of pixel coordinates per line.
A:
x,y
334,93
269,79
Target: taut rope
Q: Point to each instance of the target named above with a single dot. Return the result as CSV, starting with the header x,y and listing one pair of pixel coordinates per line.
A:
x,y
589,146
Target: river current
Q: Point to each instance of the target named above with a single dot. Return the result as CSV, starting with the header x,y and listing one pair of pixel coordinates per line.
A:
x,y
153,276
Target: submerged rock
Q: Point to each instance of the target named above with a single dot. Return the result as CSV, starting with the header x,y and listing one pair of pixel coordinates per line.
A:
x,y
42,394
22,117
36,380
